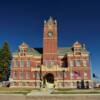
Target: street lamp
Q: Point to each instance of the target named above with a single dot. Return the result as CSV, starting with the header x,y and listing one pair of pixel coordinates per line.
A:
x,y
40,76
63,77
35,78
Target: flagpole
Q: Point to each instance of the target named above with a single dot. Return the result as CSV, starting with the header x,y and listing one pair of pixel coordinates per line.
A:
x,y
93,78
91,70
71,73
91,67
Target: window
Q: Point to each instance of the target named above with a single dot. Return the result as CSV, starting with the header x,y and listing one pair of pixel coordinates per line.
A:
x,y
77,49
33,74
71,75
85,74
78,63
37,75
65,74
28,63
71,63
22,63
52,63
21,50
85,63
15,75
27,75
60,74
16,63
22,75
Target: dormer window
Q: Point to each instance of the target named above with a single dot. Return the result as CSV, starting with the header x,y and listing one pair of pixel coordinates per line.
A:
x,y
22,50
77,48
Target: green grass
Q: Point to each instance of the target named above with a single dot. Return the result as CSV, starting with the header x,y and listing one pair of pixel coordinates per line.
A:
x,y
5,90
65,89
77,91
24,91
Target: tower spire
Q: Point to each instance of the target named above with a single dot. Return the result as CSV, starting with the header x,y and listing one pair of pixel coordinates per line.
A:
x,y
50,19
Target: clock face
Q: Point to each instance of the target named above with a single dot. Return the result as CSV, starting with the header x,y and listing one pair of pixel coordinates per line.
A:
x,y
50,34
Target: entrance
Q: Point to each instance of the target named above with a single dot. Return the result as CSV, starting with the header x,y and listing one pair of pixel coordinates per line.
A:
x,y
48,78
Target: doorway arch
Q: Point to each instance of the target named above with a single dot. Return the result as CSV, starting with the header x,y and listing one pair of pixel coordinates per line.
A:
x,y
49,77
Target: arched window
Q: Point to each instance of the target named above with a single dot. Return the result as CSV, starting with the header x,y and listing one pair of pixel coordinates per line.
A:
x,y
78,62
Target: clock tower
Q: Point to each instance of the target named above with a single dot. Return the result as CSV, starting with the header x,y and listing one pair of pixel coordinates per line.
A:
x,y
50,42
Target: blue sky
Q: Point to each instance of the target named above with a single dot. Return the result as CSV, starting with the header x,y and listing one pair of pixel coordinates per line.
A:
x,y
22,20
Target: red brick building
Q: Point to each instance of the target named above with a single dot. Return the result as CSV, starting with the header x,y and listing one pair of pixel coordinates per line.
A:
x,y
65,67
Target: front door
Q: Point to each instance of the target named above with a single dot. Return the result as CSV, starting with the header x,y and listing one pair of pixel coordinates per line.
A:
x,y
48,78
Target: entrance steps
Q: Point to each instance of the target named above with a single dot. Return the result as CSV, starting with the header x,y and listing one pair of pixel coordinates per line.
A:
x,y
42,91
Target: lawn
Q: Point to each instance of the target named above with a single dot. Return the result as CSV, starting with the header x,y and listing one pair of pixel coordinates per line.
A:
x,y
77,91
5,90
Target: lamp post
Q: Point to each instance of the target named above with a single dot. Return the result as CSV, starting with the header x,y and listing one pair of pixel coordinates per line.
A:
x,y
35,79
63,77
40,76
0,74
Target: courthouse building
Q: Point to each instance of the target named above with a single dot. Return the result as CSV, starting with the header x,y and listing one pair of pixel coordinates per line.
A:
x,y
65,67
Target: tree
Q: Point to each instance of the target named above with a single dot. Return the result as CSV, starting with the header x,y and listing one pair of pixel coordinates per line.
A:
x,y
1,65
6,61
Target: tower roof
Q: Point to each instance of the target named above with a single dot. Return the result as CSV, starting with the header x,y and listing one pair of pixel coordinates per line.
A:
x,y
50,18
77,44
23,45
50,21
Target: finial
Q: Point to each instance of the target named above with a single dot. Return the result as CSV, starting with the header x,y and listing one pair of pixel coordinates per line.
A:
x,y
55,21
76,42
84,46
23,43
50,19
44,21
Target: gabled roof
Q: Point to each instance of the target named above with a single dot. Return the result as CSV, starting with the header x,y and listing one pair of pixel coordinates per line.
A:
x,y
32,51
63,51
37,51
60,51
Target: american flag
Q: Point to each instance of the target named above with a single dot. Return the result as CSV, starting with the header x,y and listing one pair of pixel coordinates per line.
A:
x,y
77,73
95,76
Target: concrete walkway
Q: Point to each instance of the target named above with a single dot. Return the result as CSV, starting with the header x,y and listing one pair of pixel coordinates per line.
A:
x,y
41,92
50,97
44,94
